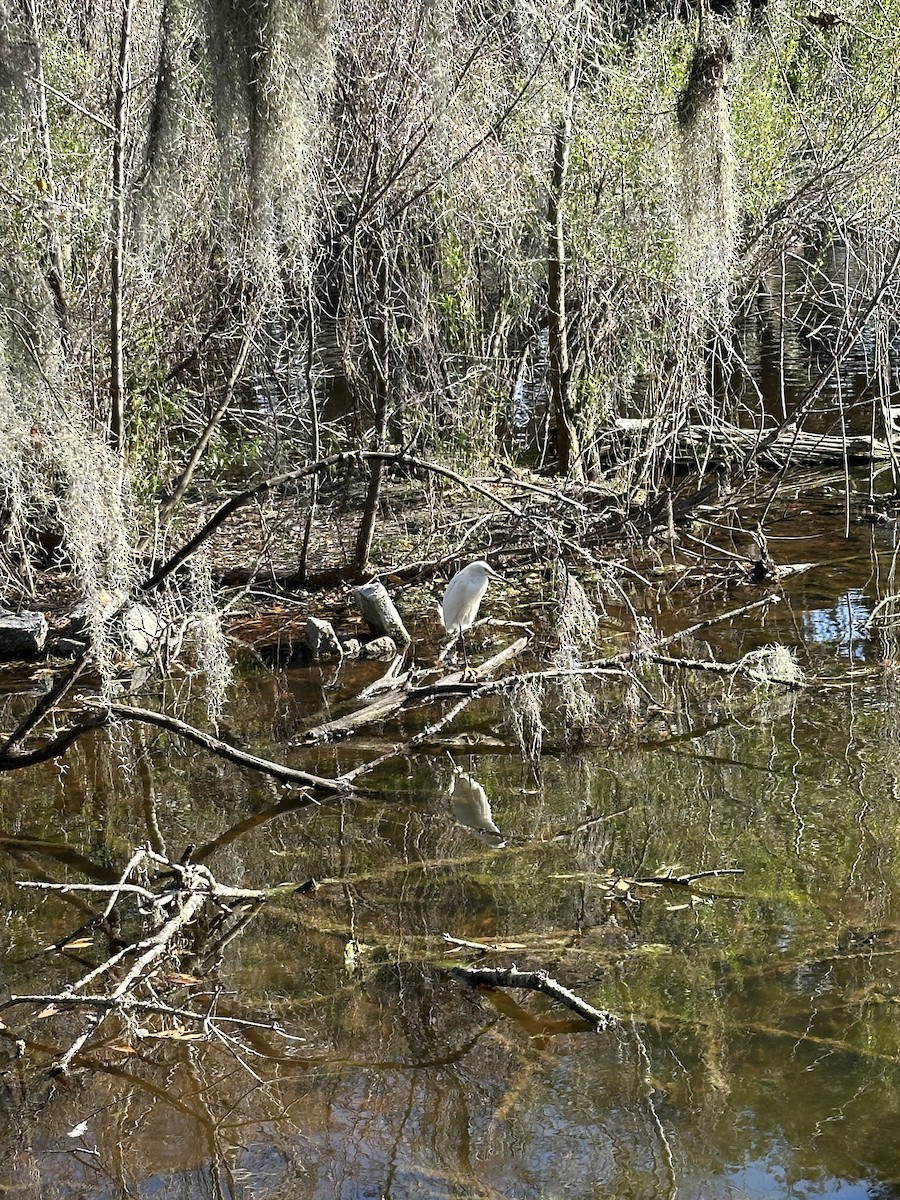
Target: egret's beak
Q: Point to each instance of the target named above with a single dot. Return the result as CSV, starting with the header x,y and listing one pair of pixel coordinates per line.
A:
x,y
493,574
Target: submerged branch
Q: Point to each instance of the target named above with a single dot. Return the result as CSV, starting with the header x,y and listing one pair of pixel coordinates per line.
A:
x,y
536,981
687,879
168,906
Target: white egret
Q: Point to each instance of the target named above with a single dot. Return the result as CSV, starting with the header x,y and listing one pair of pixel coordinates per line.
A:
x,y
465,591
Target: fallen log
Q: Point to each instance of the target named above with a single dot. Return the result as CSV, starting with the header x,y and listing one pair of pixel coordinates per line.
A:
x,y
405,695
715,443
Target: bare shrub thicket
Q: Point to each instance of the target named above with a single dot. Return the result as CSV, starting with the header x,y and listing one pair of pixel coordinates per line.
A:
x,y
334,228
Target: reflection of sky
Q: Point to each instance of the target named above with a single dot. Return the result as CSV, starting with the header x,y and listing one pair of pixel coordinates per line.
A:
x,y
765,1180
841,625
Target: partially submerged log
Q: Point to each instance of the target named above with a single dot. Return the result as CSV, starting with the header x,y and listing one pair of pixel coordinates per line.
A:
x,y
402,693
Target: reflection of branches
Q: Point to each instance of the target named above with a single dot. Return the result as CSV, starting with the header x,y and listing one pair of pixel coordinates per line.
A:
x,y
166,913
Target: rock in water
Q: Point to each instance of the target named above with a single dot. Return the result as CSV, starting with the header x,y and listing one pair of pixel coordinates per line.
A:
x,y
322,640
383,649
22,635
142,628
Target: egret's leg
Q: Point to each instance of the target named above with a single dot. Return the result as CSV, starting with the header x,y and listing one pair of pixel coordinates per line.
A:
x,y
462,639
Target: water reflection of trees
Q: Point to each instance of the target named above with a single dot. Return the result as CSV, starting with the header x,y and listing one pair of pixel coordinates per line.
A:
x,y
759,1016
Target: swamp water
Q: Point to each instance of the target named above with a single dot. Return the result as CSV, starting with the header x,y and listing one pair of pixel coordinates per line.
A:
x,y
757,1050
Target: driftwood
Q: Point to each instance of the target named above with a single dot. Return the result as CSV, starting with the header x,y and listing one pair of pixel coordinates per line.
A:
x,y
535,981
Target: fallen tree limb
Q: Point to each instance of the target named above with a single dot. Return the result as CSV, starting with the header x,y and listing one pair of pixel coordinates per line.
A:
x,y
535,981
344,458
772,598
241,758
484,947
219,890
403,696
105,1004
153,948
716,668
348,458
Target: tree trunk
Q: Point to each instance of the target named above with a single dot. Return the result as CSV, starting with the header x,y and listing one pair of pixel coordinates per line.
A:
x,y
568,451
56,274
117,282
378,355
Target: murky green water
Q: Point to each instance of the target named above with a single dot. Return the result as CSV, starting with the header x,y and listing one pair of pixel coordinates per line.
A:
x,y
757,1052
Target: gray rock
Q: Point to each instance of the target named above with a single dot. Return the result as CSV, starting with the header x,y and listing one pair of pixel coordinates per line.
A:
x,y
22,635
383,648
66,647
352,648
142,628
322,641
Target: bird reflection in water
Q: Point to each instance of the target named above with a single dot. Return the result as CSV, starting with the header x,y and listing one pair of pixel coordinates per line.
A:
x,y
472,809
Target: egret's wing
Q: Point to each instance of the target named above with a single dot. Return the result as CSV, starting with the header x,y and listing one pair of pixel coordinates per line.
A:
x,y
449,602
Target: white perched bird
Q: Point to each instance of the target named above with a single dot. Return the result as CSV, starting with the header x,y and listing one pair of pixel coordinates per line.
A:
x,y
459,607
465,591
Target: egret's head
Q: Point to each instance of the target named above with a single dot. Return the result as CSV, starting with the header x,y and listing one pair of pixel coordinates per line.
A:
x,y
483,569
